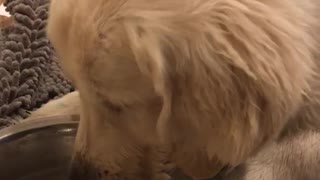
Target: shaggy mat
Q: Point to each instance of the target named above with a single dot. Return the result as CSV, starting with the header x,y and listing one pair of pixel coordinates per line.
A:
x,y
29,73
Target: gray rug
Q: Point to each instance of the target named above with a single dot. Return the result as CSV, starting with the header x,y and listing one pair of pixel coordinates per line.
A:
x,y
29,73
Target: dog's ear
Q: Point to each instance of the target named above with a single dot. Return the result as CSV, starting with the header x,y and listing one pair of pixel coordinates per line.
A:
x,y
147,48
238,72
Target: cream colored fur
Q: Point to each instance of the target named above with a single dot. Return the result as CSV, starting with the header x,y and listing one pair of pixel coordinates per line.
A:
x,y
68,105
295,157
214,81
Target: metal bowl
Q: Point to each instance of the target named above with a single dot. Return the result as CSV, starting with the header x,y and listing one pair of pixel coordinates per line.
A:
x,y
37,149
41,149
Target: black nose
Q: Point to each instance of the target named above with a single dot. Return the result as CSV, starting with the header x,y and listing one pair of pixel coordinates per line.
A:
x,y
82,169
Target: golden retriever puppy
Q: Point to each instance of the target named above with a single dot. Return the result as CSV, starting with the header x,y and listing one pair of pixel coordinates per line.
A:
x,y
207,82
293,157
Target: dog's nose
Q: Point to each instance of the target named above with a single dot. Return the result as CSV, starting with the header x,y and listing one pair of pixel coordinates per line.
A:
x,y
82,169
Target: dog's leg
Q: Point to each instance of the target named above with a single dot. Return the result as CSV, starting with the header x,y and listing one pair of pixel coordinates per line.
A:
x,y
66,105
293,158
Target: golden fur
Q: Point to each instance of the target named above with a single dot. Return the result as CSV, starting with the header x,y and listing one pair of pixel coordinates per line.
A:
x,y
295,158
68,105
214,81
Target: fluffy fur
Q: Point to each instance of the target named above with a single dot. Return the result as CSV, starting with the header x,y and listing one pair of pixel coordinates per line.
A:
x,y
295,158
212,81
68,105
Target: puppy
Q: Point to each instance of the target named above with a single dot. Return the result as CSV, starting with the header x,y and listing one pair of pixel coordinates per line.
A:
x,y
209,82
294,157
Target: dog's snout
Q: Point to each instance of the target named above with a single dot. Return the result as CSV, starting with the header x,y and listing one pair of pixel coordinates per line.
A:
x,y
82,169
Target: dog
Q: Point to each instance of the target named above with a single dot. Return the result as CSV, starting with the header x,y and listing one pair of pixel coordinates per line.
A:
x,y
206,84
295,157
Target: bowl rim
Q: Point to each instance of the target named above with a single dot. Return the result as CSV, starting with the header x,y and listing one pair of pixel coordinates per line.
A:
x,y
38,123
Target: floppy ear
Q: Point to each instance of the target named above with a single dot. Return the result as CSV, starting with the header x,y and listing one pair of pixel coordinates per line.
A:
x,y
238,72
146,47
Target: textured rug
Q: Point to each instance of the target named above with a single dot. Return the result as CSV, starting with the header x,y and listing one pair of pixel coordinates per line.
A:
x,y
29,73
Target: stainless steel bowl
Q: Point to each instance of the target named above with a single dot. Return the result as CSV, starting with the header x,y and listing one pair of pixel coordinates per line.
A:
x,y
40,149
37,149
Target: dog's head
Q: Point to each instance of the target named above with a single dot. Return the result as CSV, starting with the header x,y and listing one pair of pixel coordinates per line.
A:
x,y
214,80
